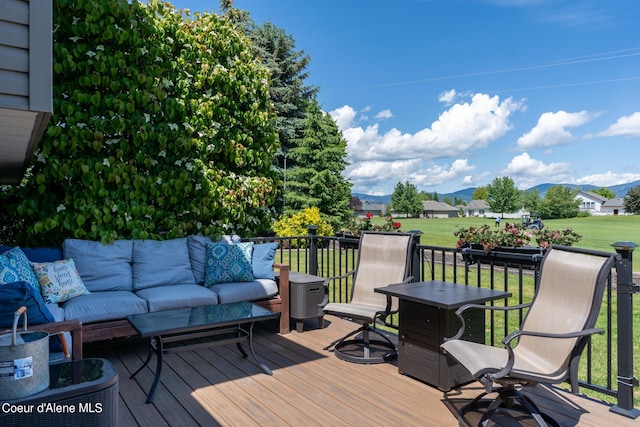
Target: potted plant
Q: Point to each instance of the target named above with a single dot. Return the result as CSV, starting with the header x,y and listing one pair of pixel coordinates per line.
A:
x,y
511,243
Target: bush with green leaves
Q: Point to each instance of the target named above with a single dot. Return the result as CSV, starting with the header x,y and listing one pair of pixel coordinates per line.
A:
x,y
162,127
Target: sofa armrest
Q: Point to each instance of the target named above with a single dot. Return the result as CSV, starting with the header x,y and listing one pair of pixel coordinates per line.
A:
x,y
72,326
283,289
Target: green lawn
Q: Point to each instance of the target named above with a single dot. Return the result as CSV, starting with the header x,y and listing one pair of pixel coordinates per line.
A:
x,y
598,232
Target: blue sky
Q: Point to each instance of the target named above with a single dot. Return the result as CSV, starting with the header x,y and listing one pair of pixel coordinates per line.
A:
x,y
450,94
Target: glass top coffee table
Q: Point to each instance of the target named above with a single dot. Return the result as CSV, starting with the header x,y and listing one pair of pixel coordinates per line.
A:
x,y
184,329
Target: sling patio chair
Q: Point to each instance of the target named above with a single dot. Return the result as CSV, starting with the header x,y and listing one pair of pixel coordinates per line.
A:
x,y
383,259
559,322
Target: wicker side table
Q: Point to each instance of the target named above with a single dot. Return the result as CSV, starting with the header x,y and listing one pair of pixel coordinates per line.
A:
x,y
81,393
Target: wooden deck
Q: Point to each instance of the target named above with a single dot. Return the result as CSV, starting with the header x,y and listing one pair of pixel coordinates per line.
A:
x,y
309,387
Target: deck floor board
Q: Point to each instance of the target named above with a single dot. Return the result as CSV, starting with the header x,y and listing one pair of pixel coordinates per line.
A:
x,y
309,387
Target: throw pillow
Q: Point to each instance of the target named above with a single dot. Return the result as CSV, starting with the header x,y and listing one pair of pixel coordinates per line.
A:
x,y
15,267
228,263
15,295
262,260
59,280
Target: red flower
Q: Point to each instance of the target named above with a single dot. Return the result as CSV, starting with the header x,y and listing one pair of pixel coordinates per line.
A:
x,y
396,225
369,215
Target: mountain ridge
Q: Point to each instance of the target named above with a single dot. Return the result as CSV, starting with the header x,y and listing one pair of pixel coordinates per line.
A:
x,y
466,194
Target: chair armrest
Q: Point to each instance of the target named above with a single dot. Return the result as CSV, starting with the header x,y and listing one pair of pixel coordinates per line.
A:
x,y
507,340
465,307
283,290
325,284
72,326
577,334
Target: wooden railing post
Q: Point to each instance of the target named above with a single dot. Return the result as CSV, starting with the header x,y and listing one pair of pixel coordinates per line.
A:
x,y
625,289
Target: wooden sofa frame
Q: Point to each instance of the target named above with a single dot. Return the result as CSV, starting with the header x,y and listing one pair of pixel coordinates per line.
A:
x,y
100,331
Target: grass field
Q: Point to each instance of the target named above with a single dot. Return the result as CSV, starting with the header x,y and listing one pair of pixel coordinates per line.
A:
x,y
598,232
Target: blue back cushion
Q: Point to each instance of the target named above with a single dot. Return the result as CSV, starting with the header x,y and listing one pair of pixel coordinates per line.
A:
x,y
38,254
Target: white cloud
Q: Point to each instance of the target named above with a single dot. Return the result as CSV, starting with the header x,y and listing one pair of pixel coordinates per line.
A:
x,y
527,172
551,130
625,126
447,97
436,174
370,174
344,117
384,114
608,179
462,128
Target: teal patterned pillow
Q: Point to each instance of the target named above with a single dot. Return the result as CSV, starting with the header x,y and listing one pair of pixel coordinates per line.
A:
x,y
228,263
15,267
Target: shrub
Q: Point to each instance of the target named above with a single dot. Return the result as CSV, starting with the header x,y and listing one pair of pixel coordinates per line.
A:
x,y
297,224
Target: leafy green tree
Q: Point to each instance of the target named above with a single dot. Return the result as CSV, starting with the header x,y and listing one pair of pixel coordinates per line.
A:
x,y
317,179
162,127
605,192
632,201
531,200
560,202
503,196
459,202
480,193
405,199
448,201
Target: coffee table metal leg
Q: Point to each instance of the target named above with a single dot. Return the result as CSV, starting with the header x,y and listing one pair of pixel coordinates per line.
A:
x,y
159,351
146,362
264,367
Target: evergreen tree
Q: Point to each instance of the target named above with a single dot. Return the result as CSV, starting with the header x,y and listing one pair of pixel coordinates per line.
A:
x,y
316,179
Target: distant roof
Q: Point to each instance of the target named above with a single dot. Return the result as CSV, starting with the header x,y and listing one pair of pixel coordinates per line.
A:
x,y
432,205
593,196
614,203
478,204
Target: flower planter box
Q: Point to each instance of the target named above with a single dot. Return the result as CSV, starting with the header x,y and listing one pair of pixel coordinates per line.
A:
x,y
510,256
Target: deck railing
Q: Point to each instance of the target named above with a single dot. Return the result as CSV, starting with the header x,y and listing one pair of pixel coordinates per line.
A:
x,y
334,256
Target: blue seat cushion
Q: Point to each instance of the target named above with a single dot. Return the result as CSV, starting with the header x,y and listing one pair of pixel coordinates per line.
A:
x,y
245,291
161,298
106,305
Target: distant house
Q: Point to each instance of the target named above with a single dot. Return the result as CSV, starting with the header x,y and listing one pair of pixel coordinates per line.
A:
x,y
476,208
596,204
433,209
376,209
613,207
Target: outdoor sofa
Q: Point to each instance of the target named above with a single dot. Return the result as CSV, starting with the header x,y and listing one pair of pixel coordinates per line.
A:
x,y
138,276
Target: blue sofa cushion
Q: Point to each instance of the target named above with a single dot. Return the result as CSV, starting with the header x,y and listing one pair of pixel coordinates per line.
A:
x,y
245,291
198,256
105,305
198,253
102,267
38,254
161,298
161,263
18,294
228,263
15,267
262,260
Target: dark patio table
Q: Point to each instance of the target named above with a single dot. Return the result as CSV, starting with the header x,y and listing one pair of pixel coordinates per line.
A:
x,y
172,331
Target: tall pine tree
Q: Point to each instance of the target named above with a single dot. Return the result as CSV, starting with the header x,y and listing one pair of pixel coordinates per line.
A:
x,y
316,177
